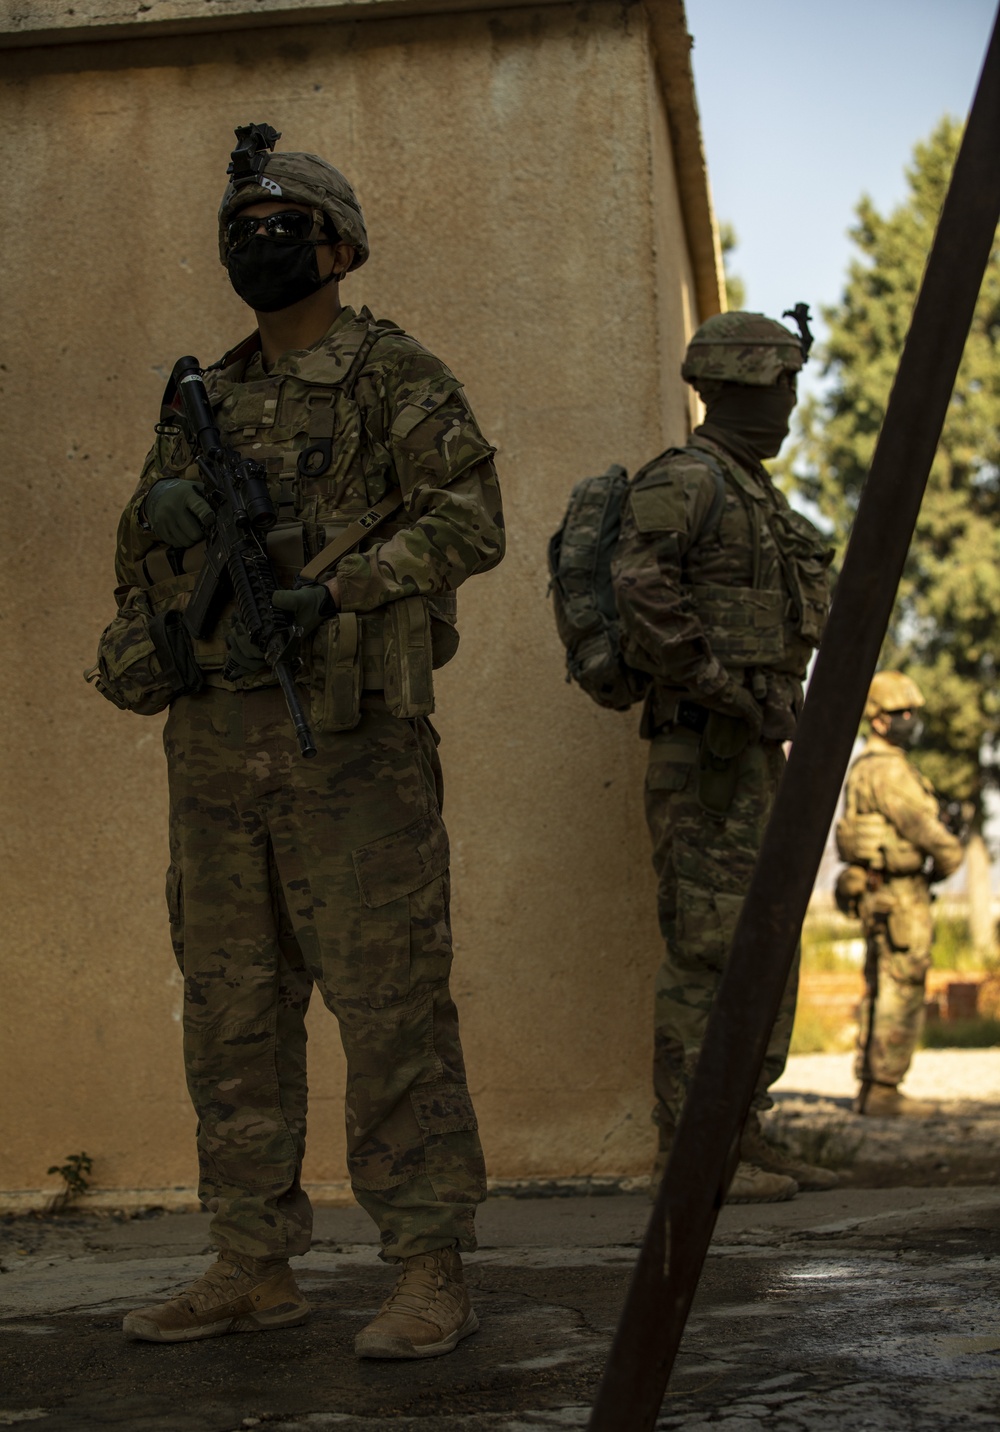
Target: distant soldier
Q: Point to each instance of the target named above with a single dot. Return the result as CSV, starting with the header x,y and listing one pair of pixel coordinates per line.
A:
x,y
723,593
896,845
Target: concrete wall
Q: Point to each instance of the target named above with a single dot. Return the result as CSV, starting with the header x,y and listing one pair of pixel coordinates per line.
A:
x,y
516,171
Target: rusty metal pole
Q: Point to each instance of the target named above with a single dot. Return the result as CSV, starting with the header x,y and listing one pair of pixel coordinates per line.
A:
x,y
705,1149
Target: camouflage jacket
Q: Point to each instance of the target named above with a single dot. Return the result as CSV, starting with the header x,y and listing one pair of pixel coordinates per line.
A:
x,y
882,783
330,455
703,598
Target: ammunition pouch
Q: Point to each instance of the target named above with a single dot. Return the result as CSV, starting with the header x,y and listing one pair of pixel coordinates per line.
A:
x,y
852,884
723,742
806,559
874,841
144,658
393,650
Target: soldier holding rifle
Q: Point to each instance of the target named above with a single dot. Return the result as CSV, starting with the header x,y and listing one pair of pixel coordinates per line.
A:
x,y
288,872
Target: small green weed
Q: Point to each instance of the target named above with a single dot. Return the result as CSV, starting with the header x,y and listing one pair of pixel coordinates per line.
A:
x,y
74,1175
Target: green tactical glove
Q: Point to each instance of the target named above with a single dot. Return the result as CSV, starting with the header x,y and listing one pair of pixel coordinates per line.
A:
x,y
242,657
307,607
737,701
176,511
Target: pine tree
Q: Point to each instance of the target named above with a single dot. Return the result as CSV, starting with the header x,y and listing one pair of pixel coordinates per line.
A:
x,y
944,630
735,287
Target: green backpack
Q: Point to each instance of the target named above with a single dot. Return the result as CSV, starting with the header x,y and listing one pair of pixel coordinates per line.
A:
x,y
580,584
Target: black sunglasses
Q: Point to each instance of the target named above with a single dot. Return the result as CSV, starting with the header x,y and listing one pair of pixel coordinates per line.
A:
x,y
289,225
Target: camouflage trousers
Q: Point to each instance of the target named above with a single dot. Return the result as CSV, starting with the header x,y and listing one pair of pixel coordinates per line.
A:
x,y
703,863
287,873
897,959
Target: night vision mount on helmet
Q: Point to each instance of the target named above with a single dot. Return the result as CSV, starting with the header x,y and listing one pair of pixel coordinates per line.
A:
x,y
249,159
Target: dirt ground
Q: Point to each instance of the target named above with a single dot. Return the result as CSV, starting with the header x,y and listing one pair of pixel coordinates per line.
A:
x,y
874,1305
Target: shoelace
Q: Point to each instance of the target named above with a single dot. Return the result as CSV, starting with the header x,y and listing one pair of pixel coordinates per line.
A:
x,y
417,1290
217,1285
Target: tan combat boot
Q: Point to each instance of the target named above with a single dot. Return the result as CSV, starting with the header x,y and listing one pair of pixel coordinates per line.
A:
x,y
757,1149
884,1101
427,1312
235,1295
753,1185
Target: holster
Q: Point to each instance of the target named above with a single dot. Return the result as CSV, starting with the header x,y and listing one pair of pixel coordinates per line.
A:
x,y
723,742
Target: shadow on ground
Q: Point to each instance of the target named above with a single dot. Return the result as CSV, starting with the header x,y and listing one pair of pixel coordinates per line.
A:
x,y
849,1309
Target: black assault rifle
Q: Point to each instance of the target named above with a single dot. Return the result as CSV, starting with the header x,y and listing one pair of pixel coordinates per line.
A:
x,y
236,559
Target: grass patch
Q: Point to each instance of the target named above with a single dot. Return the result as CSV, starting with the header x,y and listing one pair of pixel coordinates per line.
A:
x,y
832,944
820,1030
952,948
961,1034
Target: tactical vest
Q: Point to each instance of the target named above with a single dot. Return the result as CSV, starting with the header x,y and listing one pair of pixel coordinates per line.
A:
x,y
320,434
868,838
761,625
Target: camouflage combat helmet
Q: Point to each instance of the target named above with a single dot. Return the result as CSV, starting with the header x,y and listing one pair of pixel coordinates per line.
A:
x,y
742,348
257,174
892,691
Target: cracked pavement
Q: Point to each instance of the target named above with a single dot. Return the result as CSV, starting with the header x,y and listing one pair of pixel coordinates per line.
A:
x,y
865,1307
850,1309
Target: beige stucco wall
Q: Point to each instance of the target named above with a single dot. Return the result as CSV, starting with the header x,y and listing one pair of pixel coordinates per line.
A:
x,y
515,170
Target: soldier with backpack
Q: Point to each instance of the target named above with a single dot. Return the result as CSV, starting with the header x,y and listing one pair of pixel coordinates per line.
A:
x,y
697,587
722,592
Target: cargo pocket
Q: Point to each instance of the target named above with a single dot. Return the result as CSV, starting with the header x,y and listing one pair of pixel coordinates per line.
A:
x,y
706,923
452,1155
402,880
671,761
910,930
175,911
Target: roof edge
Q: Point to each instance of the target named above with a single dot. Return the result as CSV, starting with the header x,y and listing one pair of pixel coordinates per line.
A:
x,y
26,23
672,45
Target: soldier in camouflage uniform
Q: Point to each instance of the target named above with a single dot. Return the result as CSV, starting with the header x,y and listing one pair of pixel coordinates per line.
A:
x,y
895,845
722,592
332,872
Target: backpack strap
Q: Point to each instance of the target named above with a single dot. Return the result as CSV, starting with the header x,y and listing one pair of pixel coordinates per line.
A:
x,y
714,515
710,525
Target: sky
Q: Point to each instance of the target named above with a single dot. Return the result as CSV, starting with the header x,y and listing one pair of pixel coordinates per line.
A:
x,y
807,104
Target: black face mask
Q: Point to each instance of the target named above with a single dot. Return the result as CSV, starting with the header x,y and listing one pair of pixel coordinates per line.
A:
x,y
759,416
269,275
905,729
